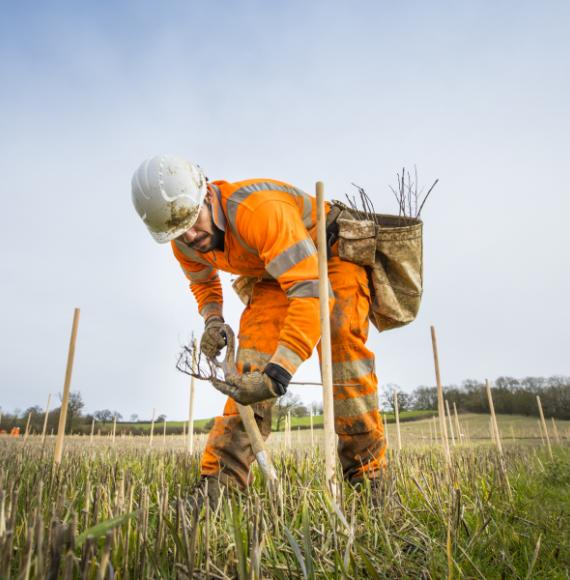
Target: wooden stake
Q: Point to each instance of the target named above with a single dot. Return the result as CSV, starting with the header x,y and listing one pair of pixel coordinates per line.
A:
x,y
92,431
27,431
190,441
450,423
440,406
65,402
151,429
494,424
386,431
497,438
457,425
397,415
164,433
543,423
326,355
311,423
114,430
44,428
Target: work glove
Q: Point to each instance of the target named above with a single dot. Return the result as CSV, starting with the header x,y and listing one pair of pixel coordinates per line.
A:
x,y
254,387
214,338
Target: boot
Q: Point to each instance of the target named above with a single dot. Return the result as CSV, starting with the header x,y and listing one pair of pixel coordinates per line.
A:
x,y
211,489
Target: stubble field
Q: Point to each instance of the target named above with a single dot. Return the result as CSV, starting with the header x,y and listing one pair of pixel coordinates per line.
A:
x,y
124,511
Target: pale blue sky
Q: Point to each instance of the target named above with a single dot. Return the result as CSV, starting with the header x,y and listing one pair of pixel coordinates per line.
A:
x,y
475,93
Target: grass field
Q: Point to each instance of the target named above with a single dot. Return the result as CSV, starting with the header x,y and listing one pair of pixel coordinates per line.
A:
x,y
122,511
201,424
414,431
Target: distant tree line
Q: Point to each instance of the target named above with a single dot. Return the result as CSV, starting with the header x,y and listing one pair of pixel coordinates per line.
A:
x,y
77,422
510,396
36,413
80,423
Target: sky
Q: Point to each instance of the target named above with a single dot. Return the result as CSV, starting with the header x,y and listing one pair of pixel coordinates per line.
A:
x,y
476,94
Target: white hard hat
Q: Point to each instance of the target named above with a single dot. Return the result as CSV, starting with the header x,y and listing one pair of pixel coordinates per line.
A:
x,y
168,193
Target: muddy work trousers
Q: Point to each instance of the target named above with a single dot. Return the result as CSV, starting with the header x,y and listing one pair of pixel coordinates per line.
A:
x,y
361,444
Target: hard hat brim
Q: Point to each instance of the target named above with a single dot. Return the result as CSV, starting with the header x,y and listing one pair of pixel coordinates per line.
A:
x,y
168,193
180,225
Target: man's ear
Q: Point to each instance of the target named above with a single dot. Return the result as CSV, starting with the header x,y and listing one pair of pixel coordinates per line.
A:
x,y
209,194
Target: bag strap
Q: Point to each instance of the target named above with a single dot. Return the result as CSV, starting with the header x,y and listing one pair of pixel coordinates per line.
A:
x,y
337,207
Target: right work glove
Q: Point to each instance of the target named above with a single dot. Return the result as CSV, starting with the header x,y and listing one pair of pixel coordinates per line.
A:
x,y
255,387
214,338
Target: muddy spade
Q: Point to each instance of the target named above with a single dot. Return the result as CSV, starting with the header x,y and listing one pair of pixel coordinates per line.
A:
x,y
247,415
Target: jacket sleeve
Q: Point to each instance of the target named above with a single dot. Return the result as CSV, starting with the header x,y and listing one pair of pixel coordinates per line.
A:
x,y
204,281
277,232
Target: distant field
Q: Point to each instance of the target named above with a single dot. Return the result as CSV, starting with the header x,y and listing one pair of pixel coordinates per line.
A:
x,y
296,422
415,431
318,420
158,427
425,432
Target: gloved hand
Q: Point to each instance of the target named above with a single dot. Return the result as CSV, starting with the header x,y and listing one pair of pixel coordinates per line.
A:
x,y
254,387
214,338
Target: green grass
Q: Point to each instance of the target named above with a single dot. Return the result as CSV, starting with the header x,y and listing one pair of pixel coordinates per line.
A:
x,y
74,521
201,424
305,422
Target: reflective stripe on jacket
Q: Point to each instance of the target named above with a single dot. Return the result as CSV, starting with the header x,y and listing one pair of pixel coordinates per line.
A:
x,y
270,232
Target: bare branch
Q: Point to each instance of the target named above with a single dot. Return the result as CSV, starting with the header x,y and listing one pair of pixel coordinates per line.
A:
x,y
427,195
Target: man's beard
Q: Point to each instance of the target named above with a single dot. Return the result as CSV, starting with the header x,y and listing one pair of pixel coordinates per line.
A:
x,y
216,241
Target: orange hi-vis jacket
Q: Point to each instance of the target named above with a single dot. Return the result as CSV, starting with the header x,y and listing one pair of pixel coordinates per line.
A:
x,y
270,232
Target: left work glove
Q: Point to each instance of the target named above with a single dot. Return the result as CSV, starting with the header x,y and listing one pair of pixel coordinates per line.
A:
x,y
214,338
254,387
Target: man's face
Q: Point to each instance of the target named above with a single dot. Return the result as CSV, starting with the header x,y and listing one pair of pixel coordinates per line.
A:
x,y
204,236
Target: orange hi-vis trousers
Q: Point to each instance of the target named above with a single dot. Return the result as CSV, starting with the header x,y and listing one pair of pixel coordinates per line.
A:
x,y
361,444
